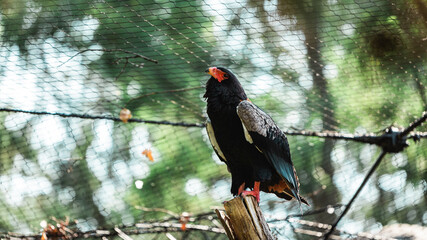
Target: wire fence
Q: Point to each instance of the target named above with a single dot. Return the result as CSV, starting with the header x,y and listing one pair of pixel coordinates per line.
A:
x,y
345,80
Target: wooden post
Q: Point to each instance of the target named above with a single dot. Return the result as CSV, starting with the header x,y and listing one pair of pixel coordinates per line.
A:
x,y
243,220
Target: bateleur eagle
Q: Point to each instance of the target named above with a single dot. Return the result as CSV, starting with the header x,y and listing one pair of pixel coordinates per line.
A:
x,y
243,136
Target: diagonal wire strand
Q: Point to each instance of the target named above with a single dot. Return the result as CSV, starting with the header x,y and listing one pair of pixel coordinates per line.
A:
x,y
402,135
348,206
414,124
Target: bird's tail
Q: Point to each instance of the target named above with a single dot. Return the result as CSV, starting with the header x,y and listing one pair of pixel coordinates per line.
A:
x,y
285,190
299,199
289,194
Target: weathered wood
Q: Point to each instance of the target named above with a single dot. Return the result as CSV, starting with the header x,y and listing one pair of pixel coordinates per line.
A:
x,y
250,206
243,220
223,219
265,229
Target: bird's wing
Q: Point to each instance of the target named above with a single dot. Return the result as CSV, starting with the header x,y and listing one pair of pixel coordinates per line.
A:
x,y
212,139
261,131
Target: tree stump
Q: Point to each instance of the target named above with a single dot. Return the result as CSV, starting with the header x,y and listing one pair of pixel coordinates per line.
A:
x,y
243,220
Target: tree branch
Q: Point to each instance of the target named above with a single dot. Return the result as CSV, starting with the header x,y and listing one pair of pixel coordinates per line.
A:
x,y
124,232
135,55
414,124
116,119
369,138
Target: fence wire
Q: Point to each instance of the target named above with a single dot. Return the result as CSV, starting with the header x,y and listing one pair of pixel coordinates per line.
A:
x,y
345,80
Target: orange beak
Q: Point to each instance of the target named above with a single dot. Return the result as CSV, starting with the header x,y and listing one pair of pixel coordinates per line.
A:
x,y
216,73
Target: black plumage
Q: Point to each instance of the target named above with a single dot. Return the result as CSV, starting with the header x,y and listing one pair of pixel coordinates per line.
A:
x,y
255,150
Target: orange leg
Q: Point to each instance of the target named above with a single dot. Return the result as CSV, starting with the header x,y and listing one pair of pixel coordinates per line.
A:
x,y
254,192
241,189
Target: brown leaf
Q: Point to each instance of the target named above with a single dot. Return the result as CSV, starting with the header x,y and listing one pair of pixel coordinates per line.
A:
x,y
125,115
148,153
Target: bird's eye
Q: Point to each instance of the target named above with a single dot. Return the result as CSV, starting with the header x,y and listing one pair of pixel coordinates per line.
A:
x,y
226,75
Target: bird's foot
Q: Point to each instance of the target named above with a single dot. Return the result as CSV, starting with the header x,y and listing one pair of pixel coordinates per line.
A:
x,y
251,193
241,189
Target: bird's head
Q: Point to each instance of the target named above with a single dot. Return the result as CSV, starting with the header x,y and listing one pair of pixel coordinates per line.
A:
x,y
220,73
224,84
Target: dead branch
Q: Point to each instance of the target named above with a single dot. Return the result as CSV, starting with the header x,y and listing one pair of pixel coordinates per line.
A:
x,y
135,55
243,219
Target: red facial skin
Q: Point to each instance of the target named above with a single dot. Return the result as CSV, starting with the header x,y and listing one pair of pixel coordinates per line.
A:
x,y
217,74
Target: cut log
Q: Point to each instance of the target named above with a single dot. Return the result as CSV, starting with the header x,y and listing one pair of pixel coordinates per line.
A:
x,y
243,220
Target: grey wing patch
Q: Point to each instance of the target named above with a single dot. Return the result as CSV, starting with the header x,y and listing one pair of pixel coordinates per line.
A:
x,y
212,139
253,118
248,137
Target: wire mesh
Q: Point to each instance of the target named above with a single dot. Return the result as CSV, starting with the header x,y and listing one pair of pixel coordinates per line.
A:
x,y
69,67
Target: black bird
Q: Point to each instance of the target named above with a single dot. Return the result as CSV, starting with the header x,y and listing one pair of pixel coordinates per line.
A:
x,y
243,136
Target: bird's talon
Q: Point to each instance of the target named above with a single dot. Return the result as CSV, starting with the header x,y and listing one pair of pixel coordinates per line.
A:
x,y
251,193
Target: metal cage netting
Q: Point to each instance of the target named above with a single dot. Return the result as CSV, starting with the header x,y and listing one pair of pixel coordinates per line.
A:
x,y
329,73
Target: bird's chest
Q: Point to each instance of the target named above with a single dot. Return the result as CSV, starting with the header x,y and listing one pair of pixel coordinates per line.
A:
x,y
229,133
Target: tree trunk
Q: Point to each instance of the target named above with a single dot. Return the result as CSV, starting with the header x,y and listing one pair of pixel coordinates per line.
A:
x,y
320,85
243,219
